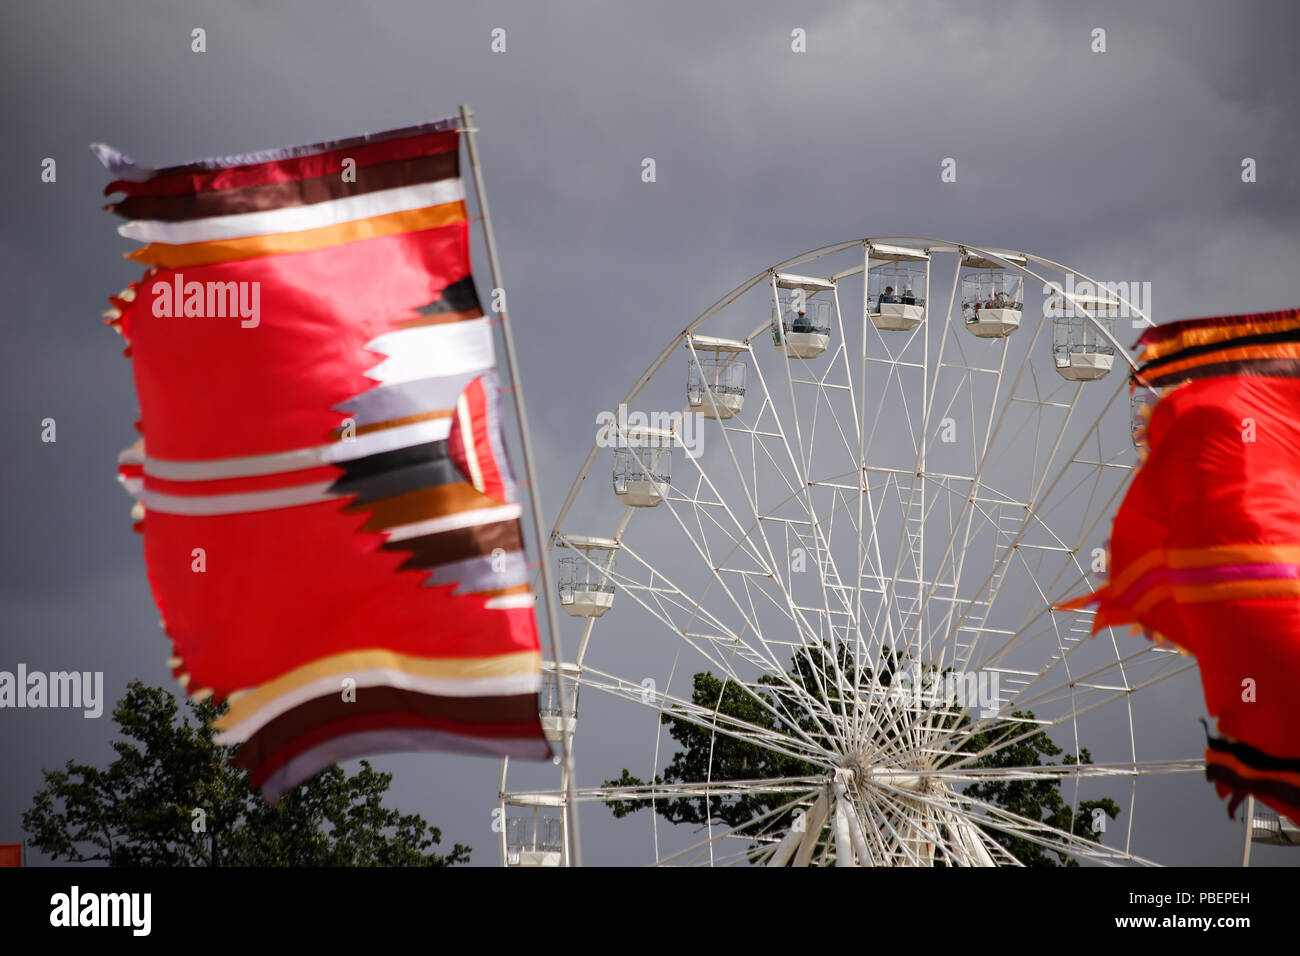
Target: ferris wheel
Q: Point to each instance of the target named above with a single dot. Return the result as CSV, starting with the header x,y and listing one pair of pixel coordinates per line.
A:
x,y
811,562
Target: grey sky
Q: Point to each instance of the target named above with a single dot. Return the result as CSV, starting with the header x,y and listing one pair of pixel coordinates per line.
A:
x,y
1125,164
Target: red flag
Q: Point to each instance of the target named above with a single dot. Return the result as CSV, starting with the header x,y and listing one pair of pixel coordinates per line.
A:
x,y
1205,548
330,524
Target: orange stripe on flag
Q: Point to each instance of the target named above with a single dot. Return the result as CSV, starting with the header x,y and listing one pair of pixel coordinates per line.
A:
x,y
1183,558
1276,350
171,256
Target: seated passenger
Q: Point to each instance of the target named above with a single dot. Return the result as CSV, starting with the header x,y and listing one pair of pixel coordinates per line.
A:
x,y
801,323
908,297
886,296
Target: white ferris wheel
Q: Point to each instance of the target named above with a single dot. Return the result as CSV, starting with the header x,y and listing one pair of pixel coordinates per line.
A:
x,y
889,459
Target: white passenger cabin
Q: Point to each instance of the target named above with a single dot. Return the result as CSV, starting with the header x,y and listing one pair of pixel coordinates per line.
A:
x,y
1081,351
715,376
992,296
1140,404
534,840
896,286
643,464
1269,828
642,476
554,724
801,326
585,585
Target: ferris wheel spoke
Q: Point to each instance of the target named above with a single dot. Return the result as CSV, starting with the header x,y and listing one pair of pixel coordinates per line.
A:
x,y
982,814
1069,642
757,829
816,536
800,456
856,457
958,774
877,842
666,597
798,787
956,736
980,604
751,496
797,744
764,653
962,519
1172,665
999,568
724,646
895,822
1048,837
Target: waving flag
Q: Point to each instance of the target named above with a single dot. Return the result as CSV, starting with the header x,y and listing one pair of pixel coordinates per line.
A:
x,y
331,528
1205,548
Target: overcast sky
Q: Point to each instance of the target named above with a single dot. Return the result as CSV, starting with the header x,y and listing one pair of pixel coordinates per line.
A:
x,y
1126,164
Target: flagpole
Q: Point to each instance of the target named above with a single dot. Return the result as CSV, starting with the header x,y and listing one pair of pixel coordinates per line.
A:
x,y
1250,826
534,493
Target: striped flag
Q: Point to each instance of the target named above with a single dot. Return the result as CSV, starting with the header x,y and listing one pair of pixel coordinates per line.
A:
x,y
331,528
1205,547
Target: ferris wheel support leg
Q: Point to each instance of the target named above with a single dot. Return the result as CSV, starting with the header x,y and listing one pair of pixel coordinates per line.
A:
x,y
975,848
781,855
504,845
785,849
858,836
814,823
843,838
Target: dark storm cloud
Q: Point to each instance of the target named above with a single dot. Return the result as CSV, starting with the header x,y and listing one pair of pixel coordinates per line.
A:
x,y
1125,164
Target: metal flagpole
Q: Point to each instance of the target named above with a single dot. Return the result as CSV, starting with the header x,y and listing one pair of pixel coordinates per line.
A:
x,y
1250,826
548,591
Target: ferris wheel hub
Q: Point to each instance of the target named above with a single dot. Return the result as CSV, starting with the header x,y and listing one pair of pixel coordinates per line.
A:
x,y
902,779
857,770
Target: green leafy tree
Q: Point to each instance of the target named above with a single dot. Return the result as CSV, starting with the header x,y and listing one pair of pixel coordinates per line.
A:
x,y
778,709
170,798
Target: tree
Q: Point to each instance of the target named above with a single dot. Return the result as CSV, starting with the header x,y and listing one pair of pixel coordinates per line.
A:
x,y
170,798
778,708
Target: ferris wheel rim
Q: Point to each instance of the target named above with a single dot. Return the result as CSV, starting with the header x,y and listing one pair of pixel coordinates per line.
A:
x,y
557,537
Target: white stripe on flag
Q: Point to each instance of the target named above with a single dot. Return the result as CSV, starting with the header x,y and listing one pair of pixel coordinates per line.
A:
x,y
432,350
507,602
237,503
332,212
372,443
453,522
